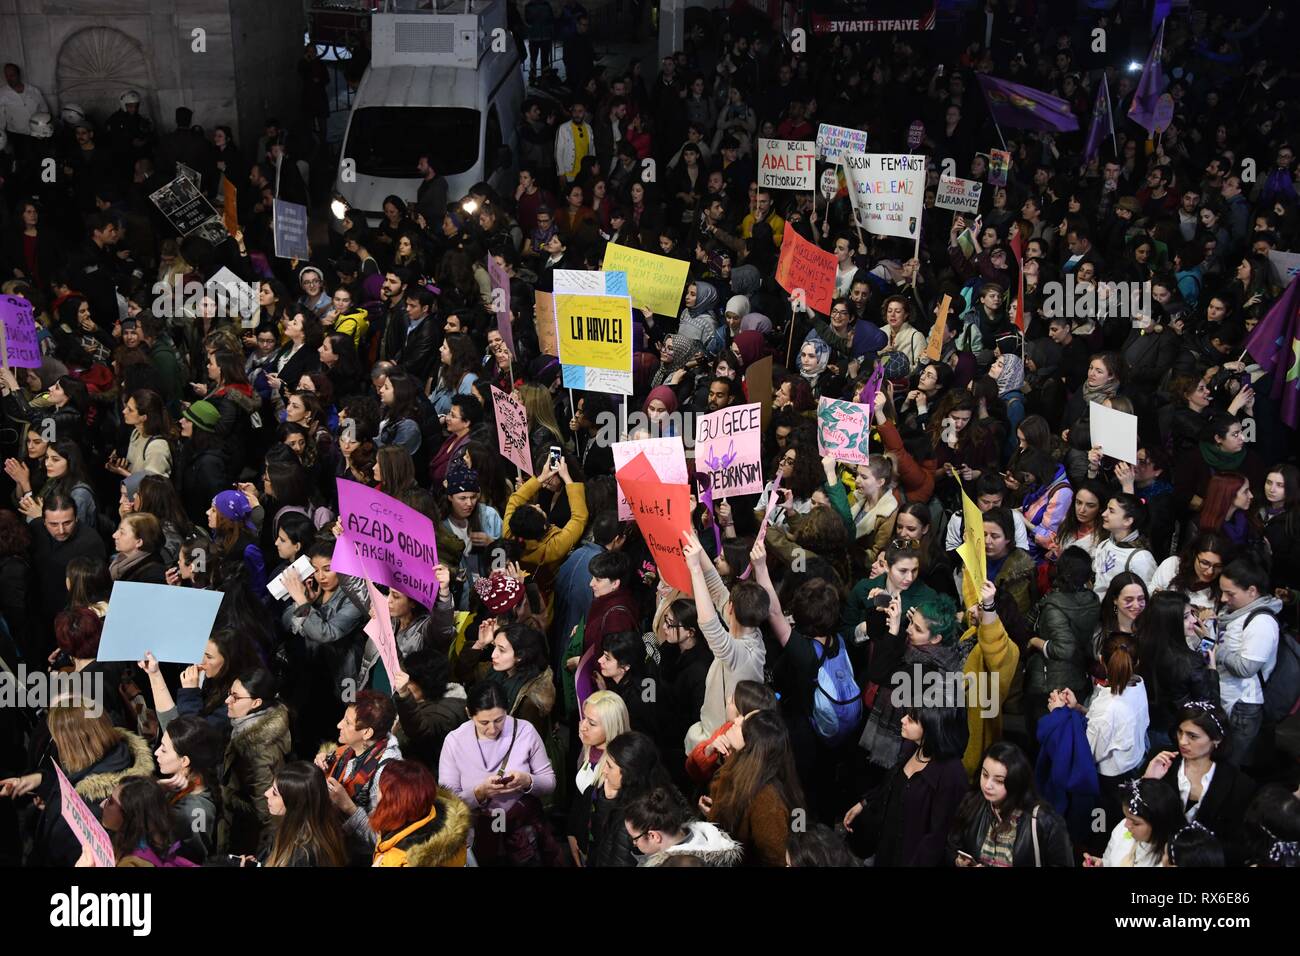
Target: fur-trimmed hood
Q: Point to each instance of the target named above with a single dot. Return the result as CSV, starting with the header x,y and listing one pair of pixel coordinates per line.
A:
x,y
97,786
261,731
440,839
707,841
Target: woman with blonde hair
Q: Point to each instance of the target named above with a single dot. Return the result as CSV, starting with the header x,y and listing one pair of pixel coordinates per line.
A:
x,y
604,718
93,754
543,429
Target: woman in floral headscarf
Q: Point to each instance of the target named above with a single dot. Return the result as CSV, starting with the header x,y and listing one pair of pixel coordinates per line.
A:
x,y
814,355
1009,372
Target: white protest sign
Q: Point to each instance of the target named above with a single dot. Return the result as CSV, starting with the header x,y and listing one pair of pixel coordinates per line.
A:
x,y
787,164
960,195
887,191
830,183
1114,431
834,141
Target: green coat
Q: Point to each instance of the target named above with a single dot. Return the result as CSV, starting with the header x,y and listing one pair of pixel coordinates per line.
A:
x,y
1066,621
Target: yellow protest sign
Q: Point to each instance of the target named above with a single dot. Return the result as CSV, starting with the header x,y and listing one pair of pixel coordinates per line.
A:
x,y
594,331
654,282
975,562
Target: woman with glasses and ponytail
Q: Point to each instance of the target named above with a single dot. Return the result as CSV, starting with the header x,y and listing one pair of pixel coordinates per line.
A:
x,y
1212,791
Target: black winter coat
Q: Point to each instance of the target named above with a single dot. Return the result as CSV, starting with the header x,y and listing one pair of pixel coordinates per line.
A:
x,y
1053,837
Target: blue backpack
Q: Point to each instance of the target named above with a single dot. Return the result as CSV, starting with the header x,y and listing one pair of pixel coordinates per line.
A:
x,y
837,699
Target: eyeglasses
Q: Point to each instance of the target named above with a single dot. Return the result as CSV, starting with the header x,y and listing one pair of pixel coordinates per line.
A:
x,y
787,460
638,837
238,697
1208,565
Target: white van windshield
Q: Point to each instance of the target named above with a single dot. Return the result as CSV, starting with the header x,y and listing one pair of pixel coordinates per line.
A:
x,y
388,141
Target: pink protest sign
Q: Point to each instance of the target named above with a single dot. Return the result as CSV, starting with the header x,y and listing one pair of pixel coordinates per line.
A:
x,y
666,455
501,302
380,630
843,430
512,430
21,346
728,447
386,541
90,833
772,505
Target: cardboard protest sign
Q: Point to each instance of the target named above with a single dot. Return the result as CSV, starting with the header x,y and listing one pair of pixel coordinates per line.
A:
x,y
971,550
22,348
887,191
728,447
1115,431
666,456
583,282
512,430
229,206
663,513
844,430
172,623
655,282
544,316
380,630
758,385
960,195
501,301
999,166
805,266
934,344
787,164
85,826
834,141
184,206
193,175
289,221
386,541
595,341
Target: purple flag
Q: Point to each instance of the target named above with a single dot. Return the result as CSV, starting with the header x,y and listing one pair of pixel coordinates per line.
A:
x,y
868,394
1102,119
1023,107
1275,345
1159,12
1146,97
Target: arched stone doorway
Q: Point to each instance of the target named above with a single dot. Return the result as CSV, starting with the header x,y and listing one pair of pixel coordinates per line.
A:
x,y
96,66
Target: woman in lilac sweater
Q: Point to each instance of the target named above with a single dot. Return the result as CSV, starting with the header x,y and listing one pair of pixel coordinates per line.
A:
x,y
497,764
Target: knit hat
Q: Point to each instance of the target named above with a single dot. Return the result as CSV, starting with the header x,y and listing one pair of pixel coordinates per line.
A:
x,y
132,482
302,274
203,415
1129,203
234,505
461,478
500,593
51,371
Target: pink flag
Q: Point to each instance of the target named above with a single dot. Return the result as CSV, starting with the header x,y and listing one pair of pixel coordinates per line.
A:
x,y
386,541
501,302
380,630
512,430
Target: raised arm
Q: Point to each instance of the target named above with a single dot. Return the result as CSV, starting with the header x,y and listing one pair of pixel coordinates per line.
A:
x,y
775,618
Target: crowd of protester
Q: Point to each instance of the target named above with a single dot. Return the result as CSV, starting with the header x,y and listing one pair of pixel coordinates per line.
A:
x,y
1130,657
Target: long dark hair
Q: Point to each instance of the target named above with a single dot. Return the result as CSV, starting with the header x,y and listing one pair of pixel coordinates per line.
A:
x,y
158,496
765,760
195,738
1109,615
1205,542
240,655
310,822
1021,793
1161,640
464,361
1160,806
637,757
76,473
146,818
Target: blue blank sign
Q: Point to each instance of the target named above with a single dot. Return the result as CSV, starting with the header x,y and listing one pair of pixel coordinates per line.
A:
x,y
173,622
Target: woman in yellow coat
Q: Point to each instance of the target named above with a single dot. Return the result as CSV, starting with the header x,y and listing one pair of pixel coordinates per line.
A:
x,y
416,823
989,670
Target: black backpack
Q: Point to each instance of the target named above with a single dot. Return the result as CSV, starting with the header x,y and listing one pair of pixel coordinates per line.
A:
x,y
1282,689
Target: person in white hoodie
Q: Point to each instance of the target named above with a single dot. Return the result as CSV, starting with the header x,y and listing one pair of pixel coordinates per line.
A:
x,y
1125,549
737,644
662,827
1247,651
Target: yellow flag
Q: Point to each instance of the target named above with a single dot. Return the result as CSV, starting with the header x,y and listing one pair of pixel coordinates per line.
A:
x,y
975,562
934,347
